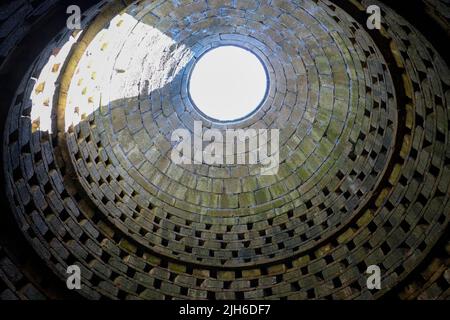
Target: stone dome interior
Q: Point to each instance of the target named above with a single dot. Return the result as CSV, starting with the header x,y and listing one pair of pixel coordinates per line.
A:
x,y
88,177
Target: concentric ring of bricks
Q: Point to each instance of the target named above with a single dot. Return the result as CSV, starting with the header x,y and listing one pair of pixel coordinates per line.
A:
x,y
404,217
253,243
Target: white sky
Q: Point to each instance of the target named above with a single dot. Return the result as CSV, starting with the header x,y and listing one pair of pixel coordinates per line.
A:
x,y
228,83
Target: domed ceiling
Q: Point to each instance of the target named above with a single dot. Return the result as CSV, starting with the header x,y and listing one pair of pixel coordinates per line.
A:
x,y
363,170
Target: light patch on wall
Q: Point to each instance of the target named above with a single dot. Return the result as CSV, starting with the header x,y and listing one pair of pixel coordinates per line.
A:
x,y
108,73
42,95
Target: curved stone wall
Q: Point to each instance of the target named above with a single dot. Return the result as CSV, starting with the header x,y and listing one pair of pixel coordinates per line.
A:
x,y
364,169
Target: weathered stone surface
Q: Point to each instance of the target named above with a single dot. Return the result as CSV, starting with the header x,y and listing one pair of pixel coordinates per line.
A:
x,y
363,175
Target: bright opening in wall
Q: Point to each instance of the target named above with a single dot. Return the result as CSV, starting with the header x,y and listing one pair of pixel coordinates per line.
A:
x,y
228,83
